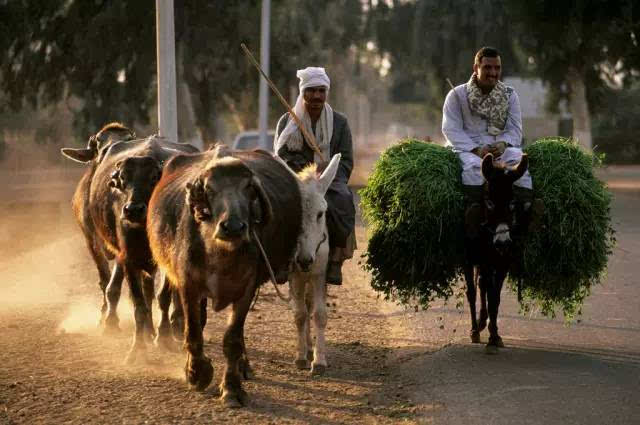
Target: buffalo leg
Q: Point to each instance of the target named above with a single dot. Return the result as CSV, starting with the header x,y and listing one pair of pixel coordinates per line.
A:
x,y
319,364
232,346
469,276
148,290
177,315
300,316
164,338
198,370
102,264
113,297
141,313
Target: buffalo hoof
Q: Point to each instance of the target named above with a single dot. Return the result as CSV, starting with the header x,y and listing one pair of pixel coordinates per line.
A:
x,y
302,364
165,341
245,369
318,369
198,372
475,337
111,326
310,355
177,326
482,321
234,399
136,355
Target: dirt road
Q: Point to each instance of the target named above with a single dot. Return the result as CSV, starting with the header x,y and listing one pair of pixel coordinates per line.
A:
x,y
387,364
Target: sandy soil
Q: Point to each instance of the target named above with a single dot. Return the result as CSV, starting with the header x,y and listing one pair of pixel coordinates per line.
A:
x,y
57,367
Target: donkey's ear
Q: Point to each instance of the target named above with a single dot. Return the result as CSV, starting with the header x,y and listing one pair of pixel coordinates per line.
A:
x,y
329,173
521,168
487,166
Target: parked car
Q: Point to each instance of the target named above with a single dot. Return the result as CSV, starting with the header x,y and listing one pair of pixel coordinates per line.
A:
x,y
251,140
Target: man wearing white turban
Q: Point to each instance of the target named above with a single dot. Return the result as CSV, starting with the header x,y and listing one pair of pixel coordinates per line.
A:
x,y
332,134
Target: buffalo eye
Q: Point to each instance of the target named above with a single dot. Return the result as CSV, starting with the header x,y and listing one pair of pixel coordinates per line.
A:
x,y
320,215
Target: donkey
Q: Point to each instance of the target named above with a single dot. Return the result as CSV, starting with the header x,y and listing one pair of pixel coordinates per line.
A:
x,y
496,243
307,280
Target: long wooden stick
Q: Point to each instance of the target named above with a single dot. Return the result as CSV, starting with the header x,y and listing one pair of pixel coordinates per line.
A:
x,y
311,141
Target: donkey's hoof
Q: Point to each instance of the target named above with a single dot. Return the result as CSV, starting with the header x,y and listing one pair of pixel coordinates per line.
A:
x,y
490,349
302,364
318,369
475,337
497,341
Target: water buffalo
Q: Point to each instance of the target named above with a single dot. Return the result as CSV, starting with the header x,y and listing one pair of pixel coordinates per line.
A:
x,y
307,281
120,190
206,216
97,144
496,245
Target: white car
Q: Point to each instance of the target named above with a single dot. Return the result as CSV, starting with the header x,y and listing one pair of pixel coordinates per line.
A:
x,y
248,140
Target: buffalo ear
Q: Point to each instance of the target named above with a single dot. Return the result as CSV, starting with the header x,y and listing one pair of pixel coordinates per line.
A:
x,y
197,201
487,166
261,209
79,155
519,170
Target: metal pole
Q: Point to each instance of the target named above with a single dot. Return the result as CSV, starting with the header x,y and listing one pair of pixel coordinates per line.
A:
x,y
166,56
263,101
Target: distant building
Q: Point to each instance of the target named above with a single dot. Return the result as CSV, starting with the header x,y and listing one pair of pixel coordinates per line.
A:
x,y
536,121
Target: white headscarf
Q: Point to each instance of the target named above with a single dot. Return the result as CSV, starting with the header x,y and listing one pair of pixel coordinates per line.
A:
x,y
291,135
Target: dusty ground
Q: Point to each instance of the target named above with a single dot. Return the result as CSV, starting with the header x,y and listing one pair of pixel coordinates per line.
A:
x,y
57,367
387,364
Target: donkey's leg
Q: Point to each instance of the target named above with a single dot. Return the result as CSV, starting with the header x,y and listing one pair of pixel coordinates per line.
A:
x,y
232,346
141,313
493,299
319,365
484,315
469,276
308,299
297,291
498,280
113,297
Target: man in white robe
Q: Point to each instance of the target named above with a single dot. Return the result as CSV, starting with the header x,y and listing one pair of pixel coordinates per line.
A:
x,y
483,116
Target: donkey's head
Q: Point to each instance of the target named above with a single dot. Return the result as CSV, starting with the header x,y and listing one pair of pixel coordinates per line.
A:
x,y
499,205
314,208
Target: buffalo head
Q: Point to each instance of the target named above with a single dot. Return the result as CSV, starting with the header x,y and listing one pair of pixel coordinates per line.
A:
x,y
134,179
228,199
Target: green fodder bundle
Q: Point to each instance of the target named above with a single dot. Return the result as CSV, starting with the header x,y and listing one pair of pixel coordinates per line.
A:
x,y
414,207
561,262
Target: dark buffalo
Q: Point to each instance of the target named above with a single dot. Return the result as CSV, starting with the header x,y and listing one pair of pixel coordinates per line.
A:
x,y
120,190
496,248
97,143
202,219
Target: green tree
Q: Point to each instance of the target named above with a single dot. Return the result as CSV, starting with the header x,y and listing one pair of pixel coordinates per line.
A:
x,y
431,40
578,47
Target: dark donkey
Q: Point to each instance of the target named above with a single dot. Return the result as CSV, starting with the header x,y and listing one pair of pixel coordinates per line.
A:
x,y
120,190
494,250
205,217
91,155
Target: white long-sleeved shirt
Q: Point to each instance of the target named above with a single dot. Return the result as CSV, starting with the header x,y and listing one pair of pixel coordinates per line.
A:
x,y
465,130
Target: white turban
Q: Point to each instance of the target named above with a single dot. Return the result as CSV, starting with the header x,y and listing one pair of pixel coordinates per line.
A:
x,y
313,77
291,135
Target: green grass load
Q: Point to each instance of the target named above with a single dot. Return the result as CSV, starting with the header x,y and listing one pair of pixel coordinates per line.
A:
x,y
414,207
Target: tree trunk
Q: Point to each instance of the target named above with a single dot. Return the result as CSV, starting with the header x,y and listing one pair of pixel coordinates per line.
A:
x,y
579,108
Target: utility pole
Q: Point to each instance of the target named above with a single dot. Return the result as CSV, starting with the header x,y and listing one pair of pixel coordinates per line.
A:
x,y
263,100
166,57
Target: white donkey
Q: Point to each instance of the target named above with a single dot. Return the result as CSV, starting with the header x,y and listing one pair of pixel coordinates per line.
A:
x,y
307,279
